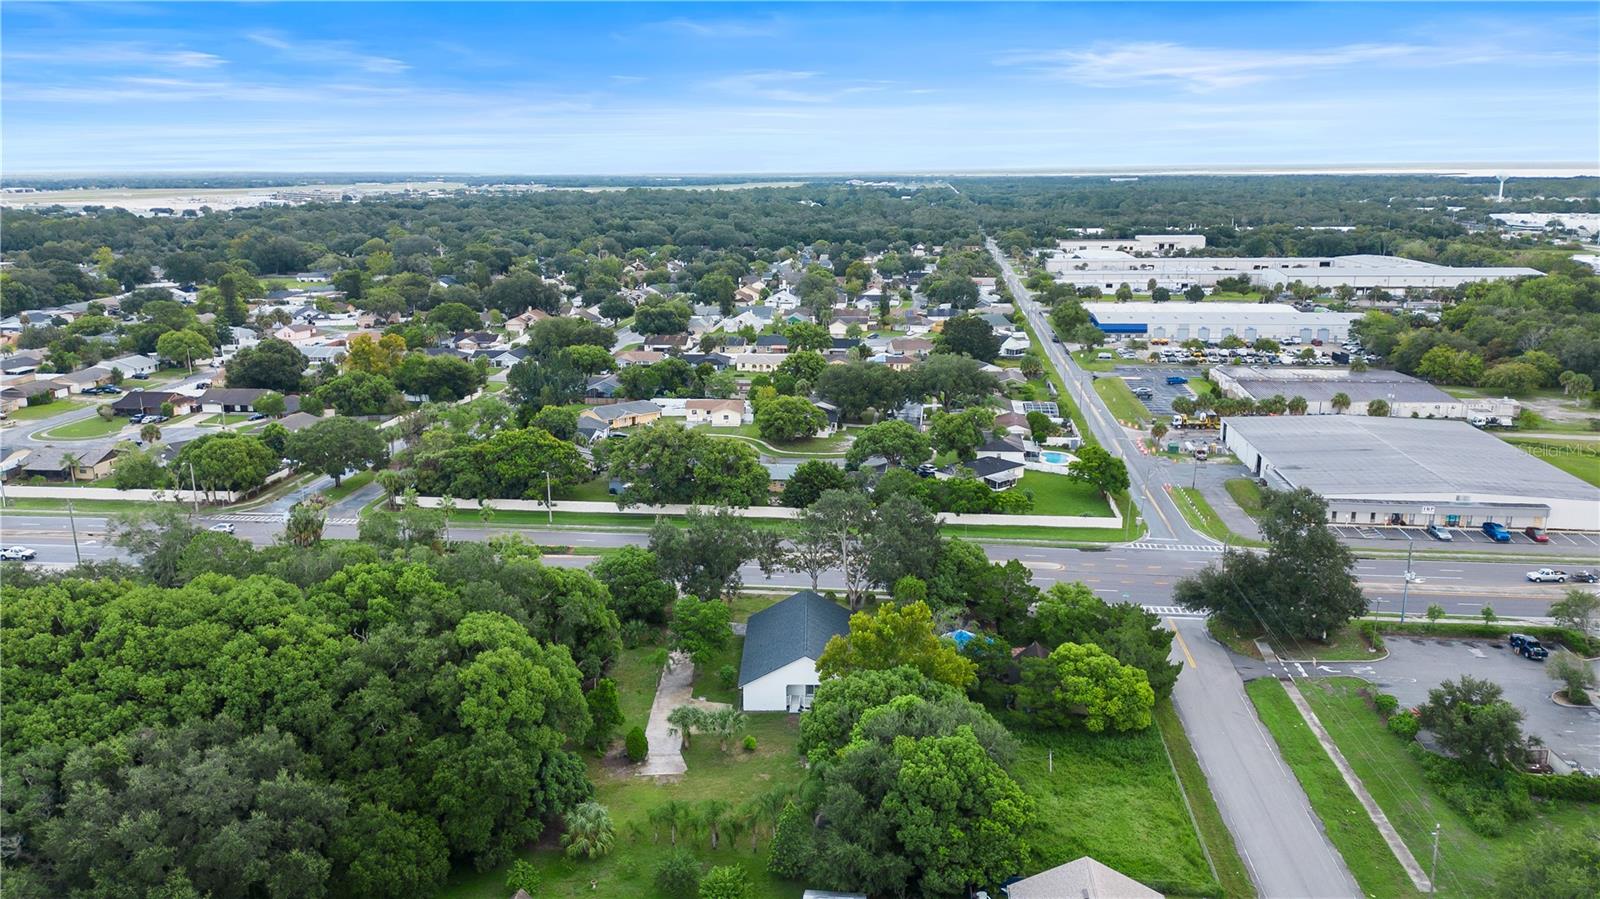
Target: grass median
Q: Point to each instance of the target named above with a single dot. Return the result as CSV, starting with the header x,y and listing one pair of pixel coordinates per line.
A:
x,y
1119,398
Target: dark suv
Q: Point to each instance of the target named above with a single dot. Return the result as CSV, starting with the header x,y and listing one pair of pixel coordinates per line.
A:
x,y
1529,647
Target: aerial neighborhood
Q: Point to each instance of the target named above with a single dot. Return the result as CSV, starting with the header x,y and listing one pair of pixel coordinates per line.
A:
x,y
836,539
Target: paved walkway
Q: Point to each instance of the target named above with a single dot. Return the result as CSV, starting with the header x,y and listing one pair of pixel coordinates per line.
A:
x,y
666,744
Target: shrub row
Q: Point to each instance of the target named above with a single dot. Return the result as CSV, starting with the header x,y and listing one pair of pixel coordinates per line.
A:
x,y
1576,787
1574,640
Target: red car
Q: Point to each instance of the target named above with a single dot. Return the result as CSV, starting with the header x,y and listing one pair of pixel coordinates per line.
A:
x,y
1537,535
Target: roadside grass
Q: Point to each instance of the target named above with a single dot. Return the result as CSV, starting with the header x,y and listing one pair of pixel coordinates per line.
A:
x,y
734,776
1468,861
1119,398
83,506
1057,494
1346,644
1201,386
1062,397
1087,361
1113,797
350,485
495,386
834,444
222,419
48,410
1575,457
1247,493
594,491
1344,820
1533,421
1229,868
1198,512
87,429
708,682
1233,296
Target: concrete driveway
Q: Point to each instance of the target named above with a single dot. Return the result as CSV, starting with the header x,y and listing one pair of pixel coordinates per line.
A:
x,y
1416,665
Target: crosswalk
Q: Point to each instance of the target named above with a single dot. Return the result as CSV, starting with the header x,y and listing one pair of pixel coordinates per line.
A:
x,y
272,518
1174,612
1176,547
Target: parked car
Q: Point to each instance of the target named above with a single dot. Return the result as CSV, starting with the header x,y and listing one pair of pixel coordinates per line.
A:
x,y
1496,531
142,376
1528,647
136,418
17,554
257,416
1585,576
1144,393
1439,532
1177,379
1537,535
1547,576
221,528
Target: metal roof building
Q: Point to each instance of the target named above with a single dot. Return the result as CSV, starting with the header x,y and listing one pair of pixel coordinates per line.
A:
x,y
1214,321
1411,471
1318,386
1362,272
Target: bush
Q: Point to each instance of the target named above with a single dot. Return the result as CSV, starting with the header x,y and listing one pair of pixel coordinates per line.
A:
x,y
1385,704
1576,787
636,633
1404,726
1490,801
1549,636
636,745
678,875
1578,696
1369,630
725,882
523,875
749,742
728,676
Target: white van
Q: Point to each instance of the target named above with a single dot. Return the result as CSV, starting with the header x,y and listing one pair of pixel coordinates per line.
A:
x,y
1104,357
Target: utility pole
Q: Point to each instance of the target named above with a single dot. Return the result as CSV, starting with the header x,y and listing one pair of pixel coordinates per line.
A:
x,y
73,520
1433,869
549,506
1406,590
194,489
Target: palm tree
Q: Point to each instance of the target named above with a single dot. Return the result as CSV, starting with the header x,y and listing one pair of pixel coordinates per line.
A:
x,y
724,723
660,817
71,461
589,832
1297,405
714,817
1340,402
686,718
150,433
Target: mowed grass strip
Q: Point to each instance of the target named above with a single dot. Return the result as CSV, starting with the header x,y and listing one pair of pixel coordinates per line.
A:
x,y
1355,836
1578,458
1230,870
1120,400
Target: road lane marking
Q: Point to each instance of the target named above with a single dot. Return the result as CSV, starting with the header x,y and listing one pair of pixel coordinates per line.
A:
x,y
1181,644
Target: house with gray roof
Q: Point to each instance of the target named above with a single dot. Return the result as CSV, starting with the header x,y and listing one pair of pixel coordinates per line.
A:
x,y
1083,877
781,646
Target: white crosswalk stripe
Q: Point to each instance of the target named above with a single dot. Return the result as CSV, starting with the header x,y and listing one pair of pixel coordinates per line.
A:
x,y
273,518
1177,547
1174,612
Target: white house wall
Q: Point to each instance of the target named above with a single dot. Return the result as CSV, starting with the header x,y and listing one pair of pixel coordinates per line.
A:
x,y
769,693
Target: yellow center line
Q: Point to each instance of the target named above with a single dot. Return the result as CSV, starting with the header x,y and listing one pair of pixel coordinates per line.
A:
x,y
1181,645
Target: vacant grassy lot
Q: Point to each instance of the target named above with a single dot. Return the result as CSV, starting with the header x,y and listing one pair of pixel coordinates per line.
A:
x,y
1247,493
1578,458
1113,797
594,491
1468,862
1120,400
1230,868
1086,359
48,410
1057,494
1344,644
1351,831
87,429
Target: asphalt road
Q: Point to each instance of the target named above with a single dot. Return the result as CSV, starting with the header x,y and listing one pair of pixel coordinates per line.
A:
x,y
1278,835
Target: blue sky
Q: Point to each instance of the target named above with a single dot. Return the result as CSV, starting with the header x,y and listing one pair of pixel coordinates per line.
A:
x,y
739,87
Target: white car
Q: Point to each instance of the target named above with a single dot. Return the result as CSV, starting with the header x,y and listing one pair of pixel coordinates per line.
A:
x,y
223,528
17,554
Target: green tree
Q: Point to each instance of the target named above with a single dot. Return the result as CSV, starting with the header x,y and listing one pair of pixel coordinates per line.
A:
x,y
896,441
305,522
665,462
969,335
271,364
892,636
183,347
862,390
358,393
961,432
1378,408
271,404
454,318
810,480
605,713
638,746
589,833
632,576
1573,671
228,461
1340,402
335,445
703,557
140,469
725,882
1084,680
900,538
954,381
678,875
1512,378
1194,293
785,419
717,289
383,852
1094,465
1470,718
1556,864
1578,609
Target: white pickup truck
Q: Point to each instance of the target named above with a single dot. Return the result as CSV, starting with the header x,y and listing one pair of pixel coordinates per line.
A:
x,y
1547,575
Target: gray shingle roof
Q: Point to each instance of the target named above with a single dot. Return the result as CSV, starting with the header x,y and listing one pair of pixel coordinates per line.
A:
x,y
795,628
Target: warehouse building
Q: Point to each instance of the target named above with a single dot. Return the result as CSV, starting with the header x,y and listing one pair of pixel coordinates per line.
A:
x,y
1109,270
1409,471
1214,321
1407,397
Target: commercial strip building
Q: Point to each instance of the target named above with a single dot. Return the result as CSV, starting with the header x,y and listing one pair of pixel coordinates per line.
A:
x,y
1407,397
1110,270
1412,471
1214,321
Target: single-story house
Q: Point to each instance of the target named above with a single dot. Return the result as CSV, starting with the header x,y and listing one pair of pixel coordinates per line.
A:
x,y
999,474
1013,423
1009,448
758,362
781,646
717,413
1015,346
231,399
602,386
299,421
517,324
1082,877
312,277
79,381
27,390
131,365
772,343
21,363
625,415
502,357
638,357
296,333
666,343
65,463
149,402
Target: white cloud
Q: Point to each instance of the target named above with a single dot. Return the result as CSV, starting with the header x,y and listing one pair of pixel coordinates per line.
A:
x,y
1200,69
331,53
720,29
120,54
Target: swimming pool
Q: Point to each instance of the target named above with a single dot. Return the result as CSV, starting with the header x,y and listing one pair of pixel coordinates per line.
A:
x,y
1055,458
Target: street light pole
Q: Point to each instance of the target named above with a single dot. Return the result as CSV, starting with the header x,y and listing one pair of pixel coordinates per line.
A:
x,y
73,520
549,507
1433,868
1406,590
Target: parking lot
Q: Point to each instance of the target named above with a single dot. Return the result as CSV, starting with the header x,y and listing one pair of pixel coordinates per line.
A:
x,y
1155,378
1559,540
1416,665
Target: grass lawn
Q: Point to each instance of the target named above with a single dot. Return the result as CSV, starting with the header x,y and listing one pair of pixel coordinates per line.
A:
x,y
1201,386
87,429
1468,861
48,410
1578,458
84,506
495,386
1120,400
222,419
1230,296
1230,869
708,682
834,444
1247,493
1345,644
1057,494
594,491
1345,821
735,777
350,485
636,671
1113,797
1086,359
1198,512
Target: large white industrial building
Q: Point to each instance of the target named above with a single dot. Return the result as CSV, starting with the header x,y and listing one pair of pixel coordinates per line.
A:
x,y
1405,395
1110,269
1141,244
1411,471
1214,321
